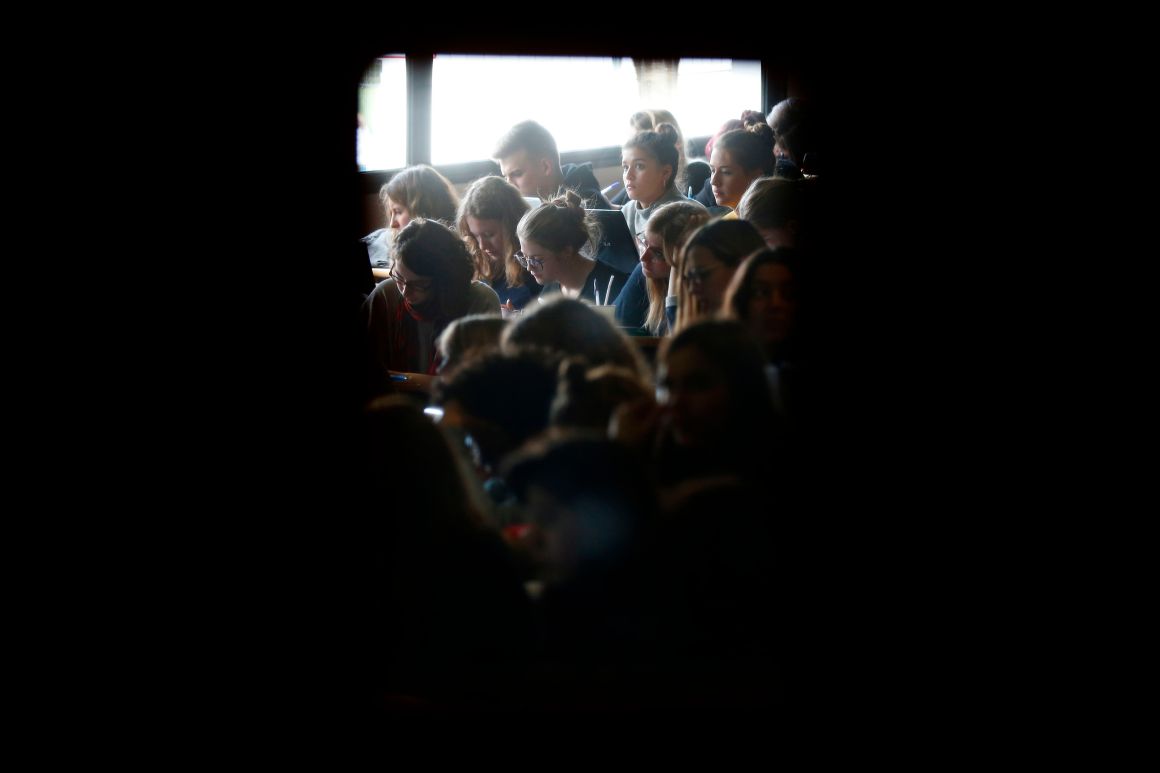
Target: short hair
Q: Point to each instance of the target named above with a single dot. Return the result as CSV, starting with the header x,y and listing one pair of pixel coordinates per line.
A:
x,y
424,192
794,127
493,198
431,249
529,136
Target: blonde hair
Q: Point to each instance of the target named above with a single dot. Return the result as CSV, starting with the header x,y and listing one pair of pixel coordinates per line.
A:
x,y
673,223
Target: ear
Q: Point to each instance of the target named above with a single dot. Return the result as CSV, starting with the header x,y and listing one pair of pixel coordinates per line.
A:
x,y
545,167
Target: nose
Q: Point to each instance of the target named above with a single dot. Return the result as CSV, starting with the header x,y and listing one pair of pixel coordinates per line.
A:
x,y
715,179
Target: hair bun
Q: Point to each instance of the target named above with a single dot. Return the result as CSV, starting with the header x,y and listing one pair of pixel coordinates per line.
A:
x,y
668,131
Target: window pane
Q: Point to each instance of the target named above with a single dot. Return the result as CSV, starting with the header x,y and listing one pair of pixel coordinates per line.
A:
x,y
382,105
711,91
584,102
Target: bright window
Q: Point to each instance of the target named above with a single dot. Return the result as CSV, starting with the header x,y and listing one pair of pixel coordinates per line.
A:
x,y
382,108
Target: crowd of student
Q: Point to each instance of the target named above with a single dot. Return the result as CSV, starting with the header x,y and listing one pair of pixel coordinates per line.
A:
x,y
571,515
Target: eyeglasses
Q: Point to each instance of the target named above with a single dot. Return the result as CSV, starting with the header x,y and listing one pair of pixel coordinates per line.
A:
x,y
418,284
697,276
527,261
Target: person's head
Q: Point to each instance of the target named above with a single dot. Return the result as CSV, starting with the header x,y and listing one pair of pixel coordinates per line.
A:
x,y
794,128
529,160
774,206
571,327
432,270
665,233
468,337
418,191
707,262
487,219
712,381
500,400
591,498
740,157
765,296
429,497
553,236
728,126
649,164
586,397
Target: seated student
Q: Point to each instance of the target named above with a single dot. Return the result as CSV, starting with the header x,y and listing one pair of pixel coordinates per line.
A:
x,y
649,161
488,215
572,328
775,207
647,121
706,265
553,237
795,129
739,157
529,160
642,302
466,339
766,296
417,191
430,286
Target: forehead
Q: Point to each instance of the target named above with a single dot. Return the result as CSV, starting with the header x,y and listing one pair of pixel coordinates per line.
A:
x,y
700,256
406,273
392,204
720,157
514,161
533,248
773,273
485,225
632,155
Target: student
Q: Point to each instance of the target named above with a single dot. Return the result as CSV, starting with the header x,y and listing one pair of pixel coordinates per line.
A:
x,y
487,220
739,157
554,237
642,302
766,296
430,286
529,160
649,162
706,265
775,207
649,120
417,191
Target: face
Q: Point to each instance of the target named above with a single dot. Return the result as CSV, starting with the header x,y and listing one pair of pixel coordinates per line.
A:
x,y
491,237
695,395
542,263
530,175
652,258
729,180
773,304
417,291
645,179
706,277
397,214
